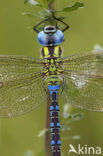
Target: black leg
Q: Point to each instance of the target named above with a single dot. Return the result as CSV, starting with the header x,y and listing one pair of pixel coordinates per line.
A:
x,y
67,26
35,27
36,30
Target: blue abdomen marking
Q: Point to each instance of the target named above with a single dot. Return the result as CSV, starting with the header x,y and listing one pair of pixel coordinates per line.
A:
x,y
51,108
52,142
53,88
54,116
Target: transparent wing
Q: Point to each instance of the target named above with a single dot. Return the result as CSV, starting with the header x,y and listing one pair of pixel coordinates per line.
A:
x,y
20,85
84,80
13,67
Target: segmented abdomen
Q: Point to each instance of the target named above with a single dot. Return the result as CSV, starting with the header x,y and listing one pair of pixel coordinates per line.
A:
x,y
55,124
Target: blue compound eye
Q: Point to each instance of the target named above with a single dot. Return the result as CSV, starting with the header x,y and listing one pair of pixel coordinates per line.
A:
x,y
50,39
43,38
58,37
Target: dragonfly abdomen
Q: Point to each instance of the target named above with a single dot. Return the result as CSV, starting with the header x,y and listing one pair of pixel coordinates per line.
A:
x,y
54,123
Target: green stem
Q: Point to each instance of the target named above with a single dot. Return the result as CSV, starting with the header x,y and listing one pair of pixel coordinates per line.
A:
x,y
44,3
51,5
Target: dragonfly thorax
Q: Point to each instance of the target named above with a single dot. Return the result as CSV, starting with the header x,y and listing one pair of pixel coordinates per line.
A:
x,y
51,52
52,60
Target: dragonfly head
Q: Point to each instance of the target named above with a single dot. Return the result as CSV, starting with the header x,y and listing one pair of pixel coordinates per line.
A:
x,y
50,36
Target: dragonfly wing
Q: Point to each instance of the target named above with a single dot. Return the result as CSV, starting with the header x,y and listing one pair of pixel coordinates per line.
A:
x,y
13,67
20,85
84,80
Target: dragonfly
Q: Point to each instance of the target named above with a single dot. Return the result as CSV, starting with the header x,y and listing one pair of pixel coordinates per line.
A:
x,y
26,82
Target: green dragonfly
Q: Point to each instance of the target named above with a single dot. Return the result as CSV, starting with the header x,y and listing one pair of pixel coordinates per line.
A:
x,y
26,82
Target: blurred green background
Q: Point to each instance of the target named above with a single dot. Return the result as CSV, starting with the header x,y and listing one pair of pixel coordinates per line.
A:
x,y
19,135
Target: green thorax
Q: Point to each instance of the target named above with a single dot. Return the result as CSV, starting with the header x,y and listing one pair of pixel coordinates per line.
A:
x,y
52,60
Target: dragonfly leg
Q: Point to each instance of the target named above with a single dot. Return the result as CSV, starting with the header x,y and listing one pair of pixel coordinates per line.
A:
x,y
57,19
35,27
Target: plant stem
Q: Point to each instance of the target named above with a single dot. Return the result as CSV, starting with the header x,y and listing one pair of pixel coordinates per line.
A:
x,y
45,3
51,5
48,150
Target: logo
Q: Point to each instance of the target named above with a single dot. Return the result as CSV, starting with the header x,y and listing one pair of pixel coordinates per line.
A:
x,y
85,150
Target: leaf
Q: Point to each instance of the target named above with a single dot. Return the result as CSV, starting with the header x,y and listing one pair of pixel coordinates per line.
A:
x,y
29,14
77,116
32,2
65,128
29,153
61,18
97,48
42,133
26,1
45,13
73,7
76,137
